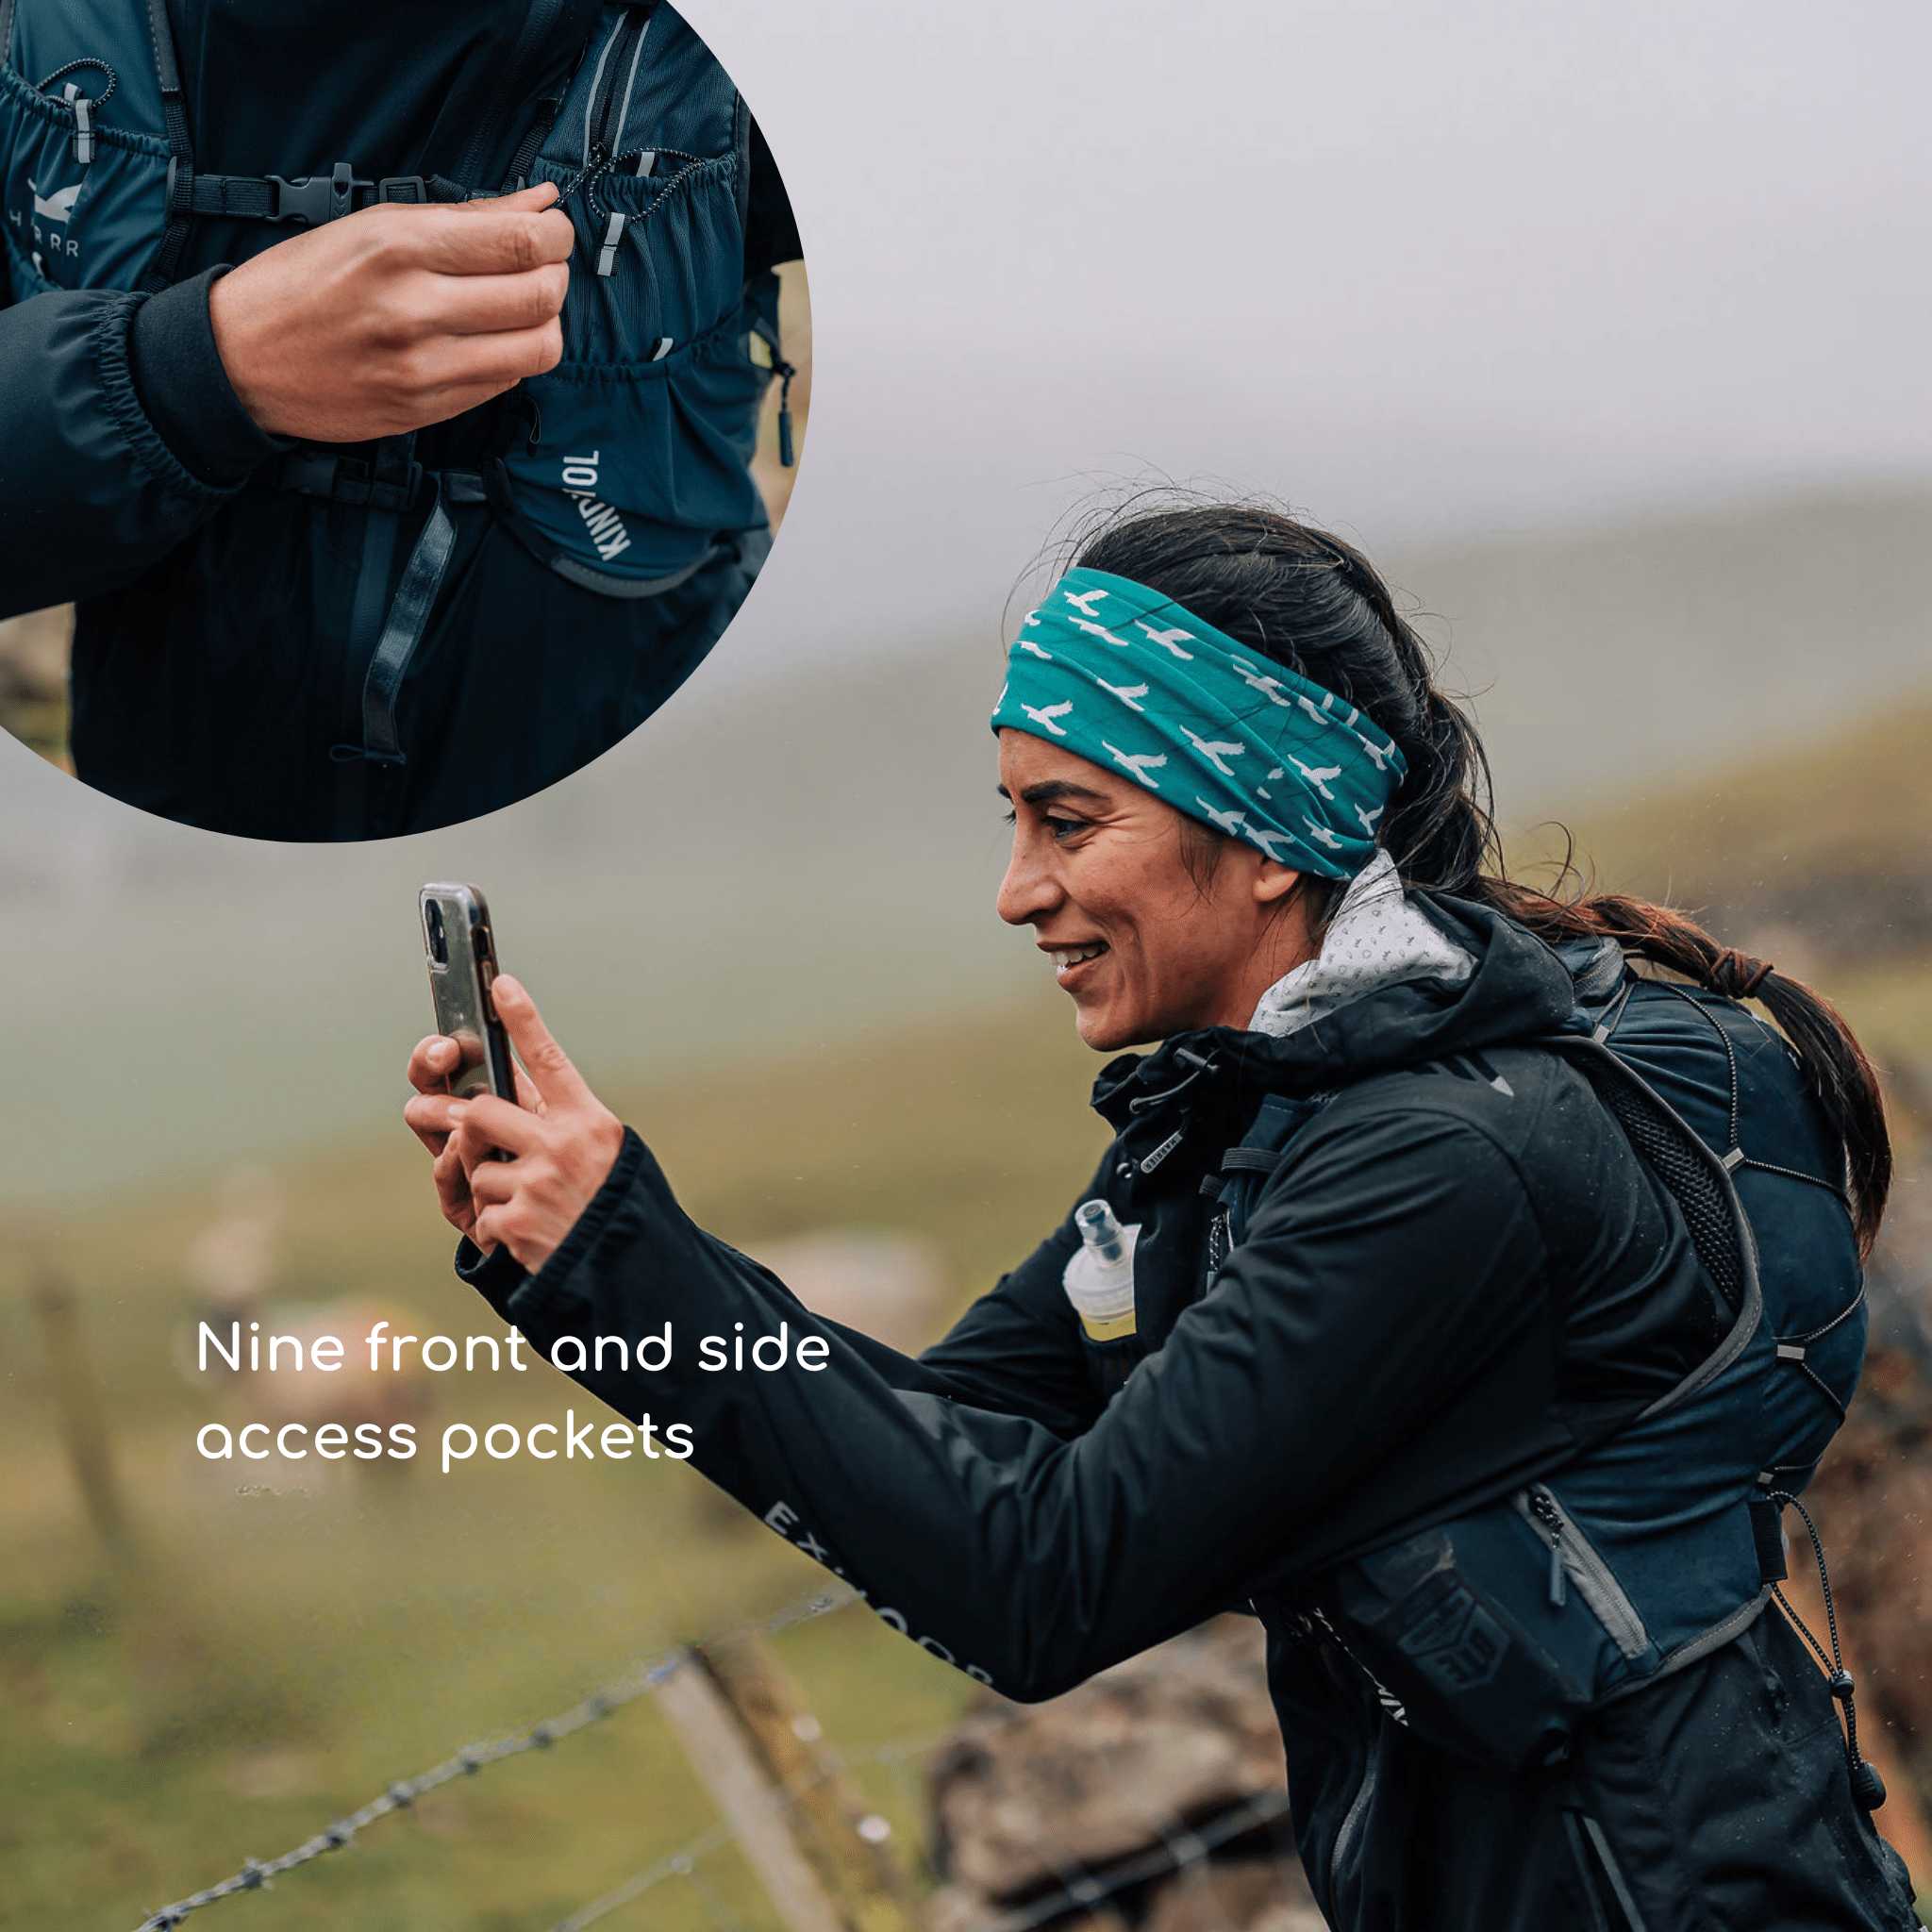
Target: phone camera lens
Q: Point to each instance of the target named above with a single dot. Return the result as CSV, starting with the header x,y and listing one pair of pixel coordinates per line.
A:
x,y
432,927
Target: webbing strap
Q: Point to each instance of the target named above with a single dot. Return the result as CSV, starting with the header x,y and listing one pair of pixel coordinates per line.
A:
x,y
166,266
409,618
247,196
6,30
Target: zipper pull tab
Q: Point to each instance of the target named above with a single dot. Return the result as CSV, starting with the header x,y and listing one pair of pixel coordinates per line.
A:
x,y
83,130
787,451
607,255
1543,1505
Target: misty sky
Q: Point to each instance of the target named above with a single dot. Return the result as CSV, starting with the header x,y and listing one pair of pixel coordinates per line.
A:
x,y
1421,269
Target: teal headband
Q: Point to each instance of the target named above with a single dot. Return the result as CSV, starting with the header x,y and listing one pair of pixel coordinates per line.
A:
x,y
1119,676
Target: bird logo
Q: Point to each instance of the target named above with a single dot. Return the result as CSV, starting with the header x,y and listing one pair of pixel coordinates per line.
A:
x,y
1168,639
1229,821
1083,601
56,206
1027,644
1323,833
1139,764
1369,817
1125,693
1100,630
1270,687
1317,775
1216,751
1268,841
1046,714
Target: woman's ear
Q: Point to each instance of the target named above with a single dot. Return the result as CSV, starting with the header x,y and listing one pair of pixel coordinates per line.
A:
x,y
1273,882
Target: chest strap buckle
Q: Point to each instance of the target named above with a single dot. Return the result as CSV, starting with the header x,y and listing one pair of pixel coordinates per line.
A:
x,y
311,199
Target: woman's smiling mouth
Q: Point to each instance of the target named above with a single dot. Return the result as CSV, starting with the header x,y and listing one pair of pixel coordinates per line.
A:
x,y
1068,960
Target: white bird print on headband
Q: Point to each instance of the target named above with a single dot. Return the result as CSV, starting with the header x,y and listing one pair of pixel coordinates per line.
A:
x,y
1323,833
1047,714
1229,821
1270,687
1027,644
1139,763
1125,693
1100,631
1216,751
1378,753
1369,817
1268,841
1168,639
1083,601
1313,710
1315,775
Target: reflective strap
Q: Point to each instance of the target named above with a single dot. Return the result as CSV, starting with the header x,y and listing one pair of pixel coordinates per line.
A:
x,y
409,618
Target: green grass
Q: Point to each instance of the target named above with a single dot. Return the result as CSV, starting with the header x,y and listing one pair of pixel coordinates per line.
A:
x,y
277,1659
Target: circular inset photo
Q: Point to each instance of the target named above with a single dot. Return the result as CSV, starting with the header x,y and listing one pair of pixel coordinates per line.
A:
x,y
377,452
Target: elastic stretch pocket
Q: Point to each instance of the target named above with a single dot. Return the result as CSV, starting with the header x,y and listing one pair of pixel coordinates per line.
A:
x,y
75,225
631,470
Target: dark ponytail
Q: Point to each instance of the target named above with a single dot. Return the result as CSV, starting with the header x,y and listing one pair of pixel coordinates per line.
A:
x,y
1315,604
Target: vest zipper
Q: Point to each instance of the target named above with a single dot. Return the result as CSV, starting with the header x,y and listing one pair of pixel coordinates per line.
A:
x,y
1352,1819
1572,1560
618,77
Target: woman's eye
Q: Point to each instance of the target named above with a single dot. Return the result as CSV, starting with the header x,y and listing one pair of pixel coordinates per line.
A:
x,y
1062,829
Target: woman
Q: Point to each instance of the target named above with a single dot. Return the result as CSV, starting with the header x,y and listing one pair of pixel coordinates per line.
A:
x,y
1412,1320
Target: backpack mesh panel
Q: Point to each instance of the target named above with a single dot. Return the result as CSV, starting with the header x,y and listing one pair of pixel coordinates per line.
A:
x,y
1678,1162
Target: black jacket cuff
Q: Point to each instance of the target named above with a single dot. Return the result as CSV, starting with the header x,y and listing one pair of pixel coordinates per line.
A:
x,y
185,389
501,1279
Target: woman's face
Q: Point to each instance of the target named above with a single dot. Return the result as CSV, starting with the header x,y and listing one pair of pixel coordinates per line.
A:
x,y
1141,949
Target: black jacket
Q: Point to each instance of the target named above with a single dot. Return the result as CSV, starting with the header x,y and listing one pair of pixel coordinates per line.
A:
x,y
1449,1283
224,626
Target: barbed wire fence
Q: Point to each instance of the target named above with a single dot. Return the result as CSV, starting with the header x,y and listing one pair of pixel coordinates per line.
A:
x,y
1171,1846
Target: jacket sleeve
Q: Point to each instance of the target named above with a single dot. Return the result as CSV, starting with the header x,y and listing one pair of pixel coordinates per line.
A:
x,y
120,434
1382,1268
1016,1351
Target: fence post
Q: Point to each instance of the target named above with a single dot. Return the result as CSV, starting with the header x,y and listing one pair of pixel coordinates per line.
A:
x,y
797,1817
83,1414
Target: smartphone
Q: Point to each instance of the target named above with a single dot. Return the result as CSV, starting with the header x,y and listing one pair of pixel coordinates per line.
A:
x,y
463,967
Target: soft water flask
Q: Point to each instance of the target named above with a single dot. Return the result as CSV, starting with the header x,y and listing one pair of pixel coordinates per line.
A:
x,y
1100,1277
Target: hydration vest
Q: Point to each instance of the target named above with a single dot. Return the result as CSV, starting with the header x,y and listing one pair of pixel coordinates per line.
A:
x,y
626,469
1496,1635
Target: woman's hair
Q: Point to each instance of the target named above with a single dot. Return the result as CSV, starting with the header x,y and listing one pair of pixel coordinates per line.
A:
x,y
1314,604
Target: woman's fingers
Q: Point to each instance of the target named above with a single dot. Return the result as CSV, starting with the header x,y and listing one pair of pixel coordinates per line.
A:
x,y
527,1095
558,1082
485,1123
493,1182
429,1117
432,1062
453,1188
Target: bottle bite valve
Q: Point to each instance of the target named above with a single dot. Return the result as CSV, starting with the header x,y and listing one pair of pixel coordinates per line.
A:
x,y
1100,1232
1099,1277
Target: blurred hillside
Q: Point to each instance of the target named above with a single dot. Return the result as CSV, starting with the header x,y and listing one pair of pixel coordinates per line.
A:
x,y
842,875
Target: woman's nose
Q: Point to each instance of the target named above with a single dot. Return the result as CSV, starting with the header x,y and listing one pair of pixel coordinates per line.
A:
x,y
1029,889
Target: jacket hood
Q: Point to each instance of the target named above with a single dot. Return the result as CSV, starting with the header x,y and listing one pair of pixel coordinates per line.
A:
x,y
1518,991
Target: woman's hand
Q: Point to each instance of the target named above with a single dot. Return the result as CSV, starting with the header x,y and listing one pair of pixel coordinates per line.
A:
x,y
561,1139
428,1115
